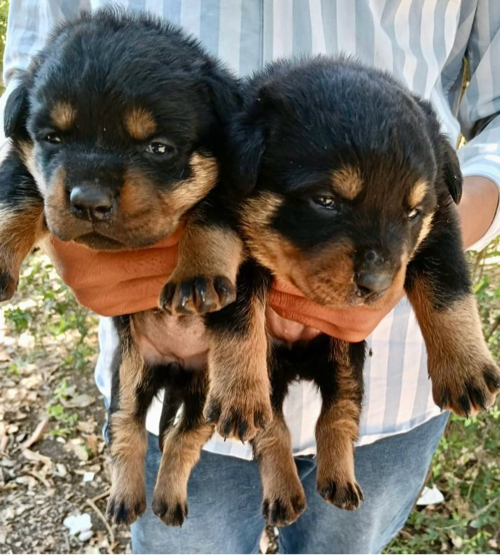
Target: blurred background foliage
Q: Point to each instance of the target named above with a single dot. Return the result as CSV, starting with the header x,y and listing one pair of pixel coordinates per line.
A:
x,y
465,469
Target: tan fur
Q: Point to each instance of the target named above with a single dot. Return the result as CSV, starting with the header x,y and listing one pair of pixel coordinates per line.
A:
x,y
19,233
424,231
28,156
144,215
347,182
144,210
280,480
336,431
140,124
325,278
239,381
210,252
129,440
417,194
457,351
63,116
181,451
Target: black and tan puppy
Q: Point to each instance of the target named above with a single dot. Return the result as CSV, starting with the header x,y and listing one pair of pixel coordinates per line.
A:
x,y
118,137
351,187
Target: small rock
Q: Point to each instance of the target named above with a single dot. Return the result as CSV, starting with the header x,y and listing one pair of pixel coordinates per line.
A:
x,y
77,524
61,470
88,477
430,496
85,536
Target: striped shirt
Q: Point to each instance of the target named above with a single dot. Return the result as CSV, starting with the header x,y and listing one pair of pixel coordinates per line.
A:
x,y
423,43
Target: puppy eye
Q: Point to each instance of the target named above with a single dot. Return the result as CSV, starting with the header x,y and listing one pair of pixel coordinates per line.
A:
x,y
325,202
53,138
160,149
414,214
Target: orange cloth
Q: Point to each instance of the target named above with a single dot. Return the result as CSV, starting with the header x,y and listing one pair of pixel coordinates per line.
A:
x,y
114,283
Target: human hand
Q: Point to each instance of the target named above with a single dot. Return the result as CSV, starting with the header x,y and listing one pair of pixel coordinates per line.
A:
x,y
113,283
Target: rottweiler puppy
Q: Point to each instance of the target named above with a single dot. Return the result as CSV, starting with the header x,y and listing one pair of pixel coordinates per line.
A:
x,y
349,189
118,134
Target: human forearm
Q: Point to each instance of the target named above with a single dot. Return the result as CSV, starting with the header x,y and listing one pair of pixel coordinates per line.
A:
x,y
477,208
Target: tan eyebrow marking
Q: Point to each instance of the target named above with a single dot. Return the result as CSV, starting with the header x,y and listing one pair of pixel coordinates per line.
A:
x,y
418,193
140,124
63,115
347,181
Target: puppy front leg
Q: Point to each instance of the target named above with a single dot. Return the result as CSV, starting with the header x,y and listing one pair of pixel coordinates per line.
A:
x,y
21,221
210,252
239,393
337,428
464,376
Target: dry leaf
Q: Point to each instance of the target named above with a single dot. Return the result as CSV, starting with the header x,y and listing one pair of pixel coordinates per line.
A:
x,y
80,401
37,434
36,457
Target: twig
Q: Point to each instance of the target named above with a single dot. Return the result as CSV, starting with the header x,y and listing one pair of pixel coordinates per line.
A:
x,y
40,478
492,330
101,496
91,503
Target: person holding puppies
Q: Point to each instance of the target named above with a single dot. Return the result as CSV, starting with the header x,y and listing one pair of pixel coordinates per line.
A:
x,y
400,425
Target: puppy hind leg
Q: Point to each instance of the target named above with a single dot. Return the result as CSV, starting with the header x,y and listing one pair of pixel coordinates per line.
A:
x,y
133,390
182,445
284,499
341,386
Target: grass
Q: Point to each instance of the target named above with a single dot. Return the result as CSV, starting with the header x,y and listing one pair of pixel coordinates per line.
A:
x,y
465,467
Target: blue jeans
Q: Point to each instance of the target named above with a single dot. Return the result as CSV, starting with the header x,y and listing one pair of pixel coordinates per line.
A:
x,y
224,496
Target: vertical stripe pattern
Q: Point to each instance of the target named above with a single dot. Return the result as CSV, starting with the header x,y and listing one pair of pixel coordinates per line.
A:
x,y
423,43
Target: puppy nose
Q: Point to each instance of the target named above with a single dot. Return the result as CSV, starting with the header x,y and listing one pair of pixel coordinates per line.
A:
x,y
373,282
91,203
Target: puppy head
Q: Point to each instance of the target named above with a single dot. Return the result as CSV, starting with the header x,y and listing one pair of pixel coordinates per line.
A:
x,y
121,121
344,170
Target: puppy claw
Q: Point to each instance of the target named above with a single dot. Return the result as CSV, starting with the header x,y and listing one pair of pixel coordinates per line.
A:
x,y
239,420
347,496
122,511
472,394
283,511
171,514
199,295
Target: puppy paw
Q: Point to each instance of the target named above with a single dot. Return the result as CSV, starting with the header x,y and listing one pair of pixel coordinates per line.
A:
x,y
169,510
284,509
126,505
343,494
467,393
240,416
8,285
198,295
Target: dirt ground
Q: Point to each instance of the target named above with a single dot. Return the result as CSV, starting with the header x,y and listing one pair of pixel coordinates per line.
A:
x,y
53,460
54,463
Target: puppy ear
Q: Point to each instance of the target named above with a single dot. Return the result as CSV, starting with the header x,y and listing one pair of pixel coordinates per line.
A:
x,y
448,159
224,91
451,170
16,111
247,145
